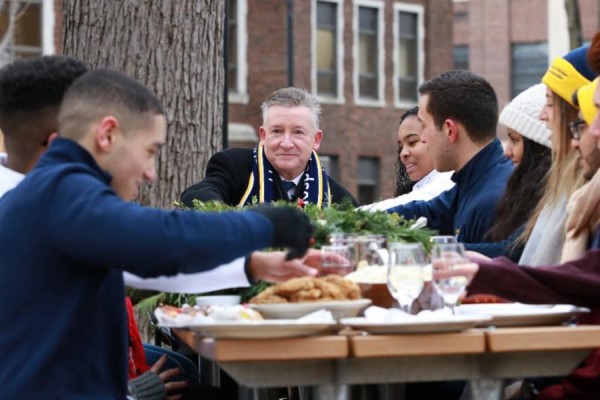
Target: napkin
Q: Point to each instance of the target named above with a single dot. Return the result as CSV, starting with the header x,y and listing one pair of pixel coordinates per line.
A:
x,y
379,314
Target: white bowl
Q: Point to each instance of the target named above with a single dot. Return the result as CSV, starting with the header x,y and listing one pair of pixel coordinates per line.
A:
x,y
339,308
222,300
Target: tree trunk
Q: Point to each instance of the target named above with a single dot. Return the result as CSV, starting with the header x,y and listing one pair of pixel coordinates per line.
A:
x,y
574,22
174,48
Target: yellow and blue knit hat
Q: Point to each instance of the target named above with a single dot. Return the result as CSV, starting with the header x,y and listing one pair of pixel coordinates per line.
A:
x,y
585,98
569,73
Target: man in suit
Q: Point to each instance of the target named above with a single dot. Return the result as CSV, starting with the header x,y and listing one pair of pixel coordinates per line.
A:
x,y
284,166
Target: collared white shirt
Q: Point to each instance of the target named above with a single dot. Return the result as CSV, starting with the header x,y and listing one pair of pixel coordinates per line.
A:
x,y
432,185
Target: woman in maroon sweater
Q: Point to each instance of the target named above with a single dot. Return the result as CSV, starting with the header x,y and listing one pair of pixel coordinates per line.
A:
x,y
575,282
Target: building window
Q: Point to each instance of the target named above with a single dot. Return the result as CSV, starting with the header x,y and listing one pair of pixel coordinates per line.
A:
x,y
409,52
328,57
368,180
26,29
529,63
236,51
331,165
460,57
369,75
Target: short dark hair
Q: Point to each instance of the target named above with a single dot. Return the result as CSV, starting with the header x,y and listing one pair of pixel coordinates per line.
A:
x,y
101,92
465,97
31,92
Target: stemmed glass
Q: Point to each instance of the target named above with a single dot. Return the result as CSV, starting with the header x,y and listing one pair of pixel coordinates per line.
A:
x,y
335,259
443,239
405,272
449,256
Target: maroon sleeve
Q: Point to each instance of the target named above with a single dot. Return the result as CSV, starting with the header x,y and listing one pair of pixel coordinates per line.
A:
x,y
576,282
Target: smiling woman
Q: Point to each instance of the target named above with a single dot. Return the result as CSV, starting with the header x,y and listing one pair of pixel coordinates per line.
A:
x,y
416,178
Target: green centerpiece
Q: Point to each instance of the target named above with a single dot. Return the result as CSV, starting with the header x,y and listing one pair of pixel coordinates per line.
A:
x,y
337,219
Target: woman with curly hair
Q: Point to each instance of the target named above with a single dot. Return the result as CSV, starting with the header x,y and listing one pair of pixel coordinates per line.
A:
x,y
416,178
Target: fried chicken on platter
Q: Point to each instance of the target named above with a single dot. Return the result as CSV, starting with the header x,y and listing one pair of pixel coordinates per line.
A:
x,y
308,289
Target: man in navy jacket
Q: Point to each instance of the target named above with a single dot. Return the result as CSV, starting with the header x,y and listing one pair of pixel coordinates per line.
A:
x,y
69,230
459,113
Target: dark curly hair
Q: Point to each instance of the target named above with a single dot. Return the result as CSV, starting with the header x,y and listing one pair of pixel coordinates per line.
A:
x,y
403,183
31,91
524,190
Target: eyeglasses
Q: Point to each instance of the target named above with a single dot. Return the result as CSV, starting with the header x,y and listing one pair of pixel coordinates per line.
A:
x,y
575,127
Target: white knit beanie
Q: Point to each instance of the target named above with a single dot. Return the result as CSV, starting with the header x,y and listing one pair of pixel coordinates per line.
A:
x,y
522,115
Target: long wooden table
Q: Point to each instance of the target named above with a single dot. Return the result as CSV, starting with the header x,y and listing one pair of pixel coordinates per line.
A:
x,y
484,357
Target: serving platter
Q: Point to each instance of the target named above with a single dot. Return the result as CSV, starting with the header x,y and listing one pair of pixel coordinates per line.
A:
x,y
517,314
442,323
265,329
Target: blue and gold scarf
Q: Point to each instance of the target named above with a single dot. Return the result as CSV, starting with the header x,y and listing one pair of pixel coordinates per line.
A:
x,y
314,184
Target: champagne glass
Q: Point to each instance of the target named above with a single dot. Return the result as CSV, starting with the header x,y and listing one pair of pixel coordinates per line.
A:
x,y
449,256
405,272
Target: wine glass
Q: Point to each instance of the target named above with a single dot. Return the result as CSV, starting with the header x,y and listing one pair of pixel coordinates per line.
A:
x,y
443,239
449,256
335,259
405,272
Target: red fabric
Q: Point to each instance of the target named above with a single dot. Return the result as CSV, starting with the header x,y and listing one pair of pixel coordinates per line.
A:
x,y
137,356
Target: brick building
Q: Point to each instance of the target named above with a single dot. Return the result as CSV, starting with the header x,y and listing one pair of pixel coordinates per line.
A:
x,y
507,41
363,59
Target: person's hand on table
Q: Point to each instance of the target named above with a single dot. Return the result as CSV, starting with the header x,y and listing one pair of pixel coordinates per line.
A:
x,y
441,271
274,267
172,388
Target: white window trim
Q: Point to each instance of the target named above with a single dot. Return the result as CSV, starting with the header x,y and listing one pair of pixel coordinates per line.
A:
x,y
339,98
48,27
419,10
361,101
241,96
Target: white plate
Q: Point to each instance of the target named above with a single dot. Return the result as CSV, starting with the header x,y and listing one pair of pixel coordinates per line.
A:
x,y
339,309
517,314
450,323
265,329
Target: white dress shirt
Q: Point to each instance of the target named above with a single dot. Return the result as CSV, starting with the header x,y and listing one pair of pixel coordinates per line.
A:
x,y
427,188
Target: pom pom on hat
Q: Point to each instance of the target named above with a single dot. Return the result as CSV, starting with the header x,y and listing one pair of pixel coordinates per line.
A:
x,y
569,73
522,115
585,98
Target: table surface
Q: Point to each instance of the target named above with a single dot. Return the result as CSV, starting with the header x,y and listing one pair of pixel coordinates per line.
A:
x,y
351,359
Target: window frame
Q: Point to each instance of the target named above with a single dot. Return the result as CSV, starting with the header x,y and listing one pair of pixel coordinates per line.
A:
x,y
363,101
419,10
339,98
240,96
373,182
46,41
542,71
